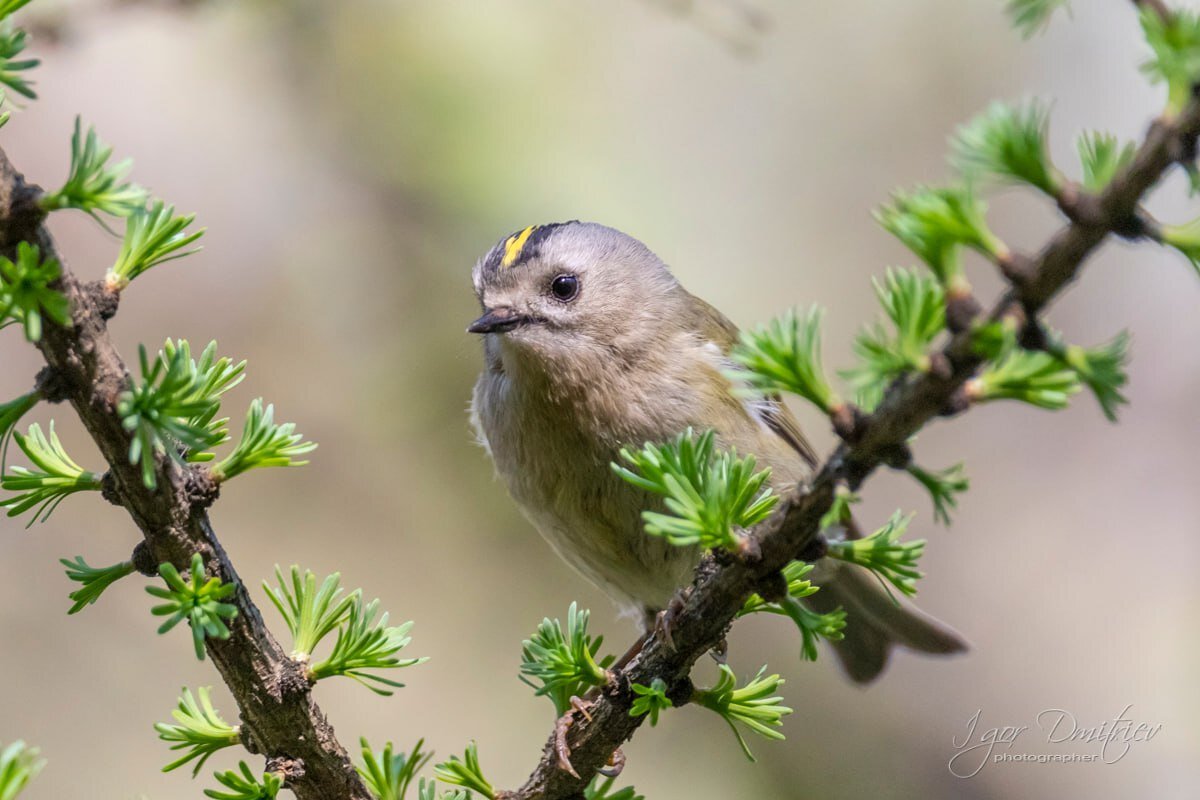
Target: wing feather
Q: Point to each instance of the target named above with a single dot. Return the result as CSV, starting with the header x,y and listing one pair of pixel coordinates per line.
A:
x,y
714,326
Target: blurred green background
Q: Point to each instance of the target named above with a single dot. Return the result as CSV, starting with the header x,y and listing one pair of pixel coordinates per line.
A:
x,y
353,158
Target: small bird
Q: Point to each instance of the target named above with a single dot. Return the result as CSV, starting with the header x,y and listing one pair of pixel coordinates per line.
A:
x,y
591,345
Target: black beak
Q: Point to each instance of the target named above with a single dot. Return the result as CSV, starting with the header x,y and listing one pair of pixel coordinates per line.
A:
x,y
496,320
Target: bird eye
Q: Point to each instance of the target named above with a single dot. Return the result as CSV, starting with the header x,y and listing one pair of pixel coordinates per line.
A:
x,y
565,287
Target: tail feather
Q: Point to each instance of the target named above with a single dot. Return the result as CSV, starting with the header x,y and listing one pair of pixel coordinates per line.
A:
x,y
875,622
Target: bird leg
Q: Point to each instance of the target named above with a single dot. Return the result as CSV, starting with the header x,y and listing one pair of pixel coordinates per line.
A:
x,y
657,625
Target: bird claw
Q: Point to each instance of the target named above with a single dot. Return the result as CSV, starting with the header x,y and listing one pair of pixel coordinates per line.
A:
x,y
582,706
615,765
561,747
662,620
662,627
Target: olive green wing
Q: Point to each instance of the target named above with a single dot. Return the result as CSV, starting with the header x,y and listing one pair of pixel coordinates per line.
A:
x,y
718,329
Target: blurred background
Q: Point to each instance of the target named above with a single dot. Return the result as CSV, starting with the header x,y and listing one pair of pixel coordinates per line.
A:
x,y
351,161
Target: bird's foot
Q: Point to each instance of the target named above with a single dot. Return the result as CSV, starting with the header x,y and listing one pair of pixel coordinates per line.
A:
x,y
584,707
662,627
564,723
664,618
614,766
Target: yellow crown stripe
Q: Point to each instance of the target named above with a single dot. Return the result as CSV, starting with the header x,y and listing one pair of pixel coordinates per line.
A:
x,y
514,245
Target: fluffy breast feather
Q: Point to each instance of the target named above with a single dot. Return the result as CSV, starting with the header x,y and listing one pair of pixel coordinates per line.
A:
x,y
553,435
